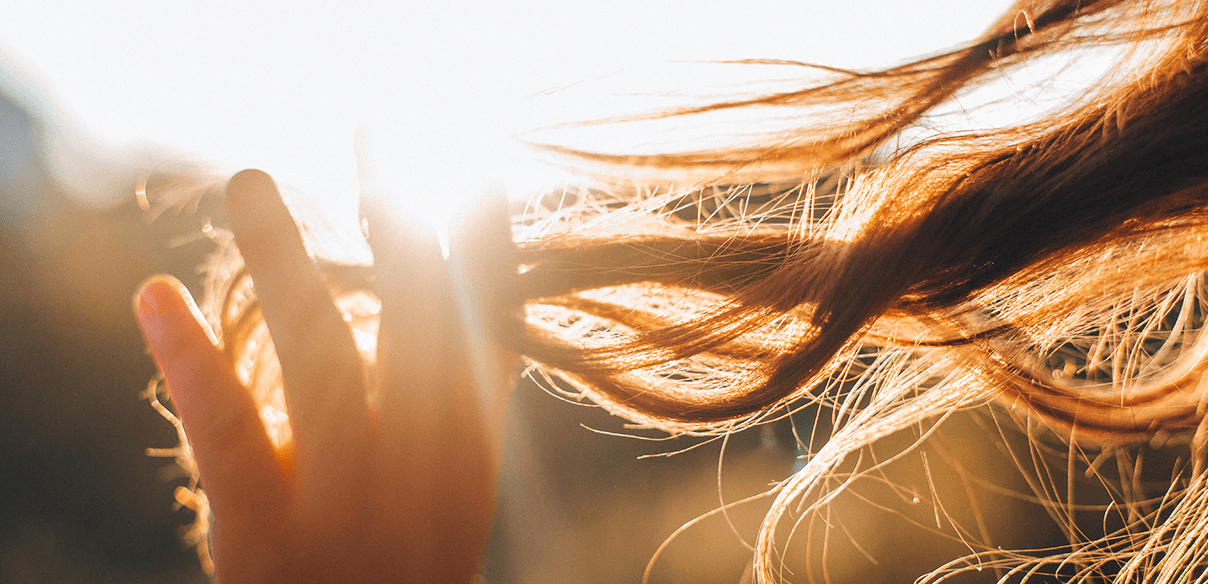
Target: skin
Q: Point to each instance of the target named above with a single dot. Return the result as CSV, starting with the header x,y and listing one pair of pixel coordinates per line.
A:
x,y
397,492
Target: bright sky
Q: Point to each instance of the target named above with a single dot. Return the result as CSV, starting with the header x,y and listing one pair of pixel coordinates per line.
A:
x,y
285,86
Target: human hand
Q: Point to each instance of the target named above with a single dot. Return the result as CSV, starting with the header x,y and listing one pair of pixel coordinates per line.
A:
x,y
400,491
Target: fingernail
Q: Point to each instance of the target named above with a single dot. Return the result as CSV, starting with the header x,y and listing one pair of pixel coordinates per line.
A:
x,y
155,296
250,191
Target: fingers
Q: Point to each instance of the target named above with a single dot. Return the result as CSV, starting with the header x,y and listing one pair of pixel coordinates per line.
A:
x,y
321,368
239,468
418,363
442,317
419,339
435,420
483,261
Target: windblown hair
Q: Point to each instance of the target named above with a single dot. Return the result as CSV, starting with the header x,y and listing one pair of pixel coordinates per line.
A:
x,y
895,272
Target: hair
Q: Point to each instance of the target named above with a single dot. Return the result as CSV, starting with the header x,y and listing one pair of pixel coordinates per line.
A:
x,y
868,260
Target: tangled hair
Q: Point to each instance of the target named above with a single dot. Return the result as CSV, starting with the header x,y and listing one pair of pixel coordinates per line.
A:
x,y
893,272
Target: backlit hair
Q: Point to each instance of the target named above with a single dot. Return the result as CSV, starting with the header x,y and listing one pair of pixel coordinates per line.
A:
x,y
868,259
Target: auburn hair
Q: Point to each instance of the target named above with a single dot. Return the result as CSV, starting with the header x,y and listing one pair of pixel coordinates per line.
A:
x,y
869,260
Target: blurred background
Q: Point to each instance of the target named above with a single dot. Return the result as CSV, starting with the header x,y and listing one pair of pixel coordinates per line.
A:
x,y
93,96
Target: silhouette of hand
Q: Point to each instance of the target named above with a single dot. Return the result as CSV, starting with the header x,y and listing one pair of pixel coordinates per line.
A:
x,y
400,491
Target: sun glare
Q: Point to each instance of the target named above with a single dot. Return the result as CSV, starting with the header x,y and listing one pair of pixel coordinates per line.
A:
x,y
437,89
432,173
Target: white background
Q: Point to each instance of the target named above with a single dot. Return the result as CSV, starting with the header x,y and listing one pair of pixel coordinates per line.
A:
x,y
285,86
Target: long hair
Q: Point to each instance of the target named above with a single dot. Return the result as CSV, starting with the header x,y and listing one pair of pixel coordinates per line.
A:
x,y
868,261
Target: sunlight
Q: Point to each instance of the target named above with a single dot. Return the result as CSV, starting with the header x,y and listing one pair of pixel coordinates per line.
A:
x,y
437,89
433,173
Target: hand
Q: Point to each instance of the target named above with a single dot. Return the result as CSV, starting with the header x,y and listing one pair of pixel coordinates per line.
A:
x,y
398,492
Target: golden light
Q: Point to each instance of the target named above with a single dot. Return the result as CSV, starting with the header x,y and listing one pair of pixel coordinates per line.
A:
x,y
286,86
416,101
